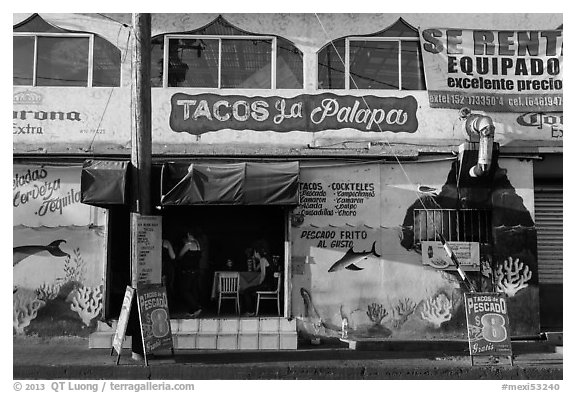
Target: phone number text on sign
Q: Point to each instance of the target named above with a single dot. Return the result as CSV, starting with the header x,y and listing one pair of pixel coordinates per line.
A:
x,y
495,102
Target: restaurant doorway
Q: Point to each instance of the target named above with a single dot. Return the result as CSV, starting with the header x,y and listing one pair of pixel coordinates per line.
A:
x,y
230,233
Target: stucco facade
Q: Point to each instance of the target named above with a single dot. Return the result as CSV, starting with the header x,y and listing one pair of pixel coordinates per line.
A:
x,y
391,159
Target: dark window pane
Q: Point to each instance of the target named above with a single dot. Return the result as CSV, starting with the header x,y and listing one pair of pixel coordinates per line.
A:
x,y
289,65
62,61
23,61
374,65
412,69
331,66
156,61
106,63
246,64
193,63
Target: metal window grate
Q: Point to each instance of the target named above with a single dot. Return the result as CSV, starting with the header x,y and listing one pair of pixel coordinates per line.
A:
x,y
464,225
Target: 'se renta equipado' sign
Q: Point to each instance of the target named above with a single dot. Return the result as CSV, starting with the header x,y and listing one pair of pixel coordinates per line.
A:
x,y
488,326
497,71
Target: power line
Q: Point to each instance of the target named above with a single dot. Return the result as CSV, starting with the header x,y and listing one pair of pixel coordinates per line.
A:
x,y
379,127
111,92
114,20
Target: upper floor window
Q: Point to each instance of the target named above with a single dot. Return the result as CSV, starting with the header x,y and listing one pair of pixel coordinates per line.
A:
x,y
45,55
221,56
387,60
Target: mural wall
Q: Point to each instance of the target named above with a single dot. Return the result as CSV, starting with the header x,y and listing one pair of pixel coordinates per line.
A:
x,y
58,253
353,273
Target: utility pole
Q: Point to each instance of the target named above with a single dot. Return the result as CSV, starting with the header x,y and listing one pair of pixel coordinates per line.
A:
x,y
141,155
141,152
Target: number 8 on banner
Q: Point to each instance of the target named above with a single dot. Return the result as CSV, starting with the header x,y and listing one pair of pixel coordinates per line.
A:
x,y
493,328
160,324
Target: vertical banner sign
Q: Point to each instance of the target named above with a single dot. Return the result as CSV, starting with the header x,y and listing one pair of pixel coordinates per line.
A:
x,y
494,71
488,326
148,235
123,321
154,318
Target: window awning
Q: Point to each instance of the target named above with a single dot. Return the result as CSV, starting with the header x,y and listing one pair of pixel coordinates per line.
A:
x,y
104,183
245,183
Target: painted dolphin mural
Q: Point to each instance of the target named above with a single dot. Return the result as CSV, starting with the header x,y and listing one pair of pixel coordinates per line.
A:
x,y
22,252
351,257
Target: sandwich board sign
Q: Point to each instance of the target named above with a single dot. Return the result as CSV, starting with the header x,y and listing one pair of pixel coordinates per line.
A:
x,y
488,325
153,318
120,333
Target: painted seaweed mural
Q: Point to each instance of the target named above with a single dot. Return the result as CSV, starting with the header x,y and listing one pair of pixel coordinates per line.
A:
x,y
69,301
509,263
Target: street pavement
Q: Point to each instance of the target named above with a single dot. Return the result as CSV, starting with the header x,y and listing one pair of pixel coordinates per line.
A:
x,y
71,359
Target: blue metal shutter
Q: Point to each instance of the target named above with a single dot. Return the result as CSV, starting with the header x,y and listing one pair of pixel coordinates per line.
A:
x,y
548,208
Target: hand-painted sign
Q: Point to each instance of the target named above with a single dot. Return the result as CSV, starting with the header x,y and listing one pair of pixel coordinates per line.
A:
x,y
197,114
498,71
488,326
154,318
468,254
347,196
48,196
549,122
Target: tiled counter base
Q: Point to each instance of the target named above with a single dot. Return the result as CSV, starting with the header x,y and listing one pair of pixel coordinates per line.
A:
x,y
228,334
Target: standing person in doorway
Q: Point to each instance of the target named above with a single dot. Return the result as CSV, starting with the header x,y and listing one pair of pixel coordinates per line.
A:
x,y
205,273
168,268
266,282
189,270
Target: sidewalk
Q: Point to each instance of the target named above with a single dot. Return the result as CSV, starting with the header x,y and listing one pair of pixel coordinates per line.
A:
x,y
70,358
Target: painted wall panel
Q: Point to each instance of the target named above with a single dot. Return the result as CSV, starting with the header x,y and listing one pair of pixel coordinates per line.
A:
x,y
58,257
361,269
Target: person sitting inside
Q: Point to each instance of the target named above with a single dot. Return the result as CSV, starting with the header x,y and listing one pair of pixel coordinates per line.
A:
x,y
265,283
188,277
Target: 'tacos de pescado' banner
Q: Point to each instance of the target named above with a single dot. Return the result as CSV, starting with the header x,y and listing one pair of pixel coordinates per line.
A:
x,y
200,113
497,71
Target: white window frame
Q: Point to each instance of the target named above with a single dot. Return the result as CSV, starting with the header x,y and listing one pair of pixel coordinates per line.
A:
x,y
90,37
347,42
168,37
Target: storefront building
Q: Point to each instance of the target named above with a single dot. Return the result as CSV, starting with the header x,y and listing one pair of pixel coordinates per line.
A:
x,y
338,142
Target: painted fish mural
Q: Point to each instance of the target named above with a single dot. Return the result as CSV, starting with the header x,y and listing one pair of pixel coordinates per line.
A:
x,y
313,323
22,252
349,260
312,320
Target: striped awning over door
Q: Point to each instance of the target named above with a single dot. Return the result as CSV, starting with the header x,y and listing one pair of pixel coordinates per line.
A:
x,y
548,210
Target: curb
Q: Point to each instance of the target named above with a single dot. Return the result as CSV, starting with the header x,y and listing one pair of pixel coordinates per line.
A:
x,y
277,372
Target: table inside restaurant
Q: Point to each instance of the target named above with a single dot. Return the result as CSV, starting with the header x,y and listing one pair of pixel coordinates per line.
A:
x,y
247,279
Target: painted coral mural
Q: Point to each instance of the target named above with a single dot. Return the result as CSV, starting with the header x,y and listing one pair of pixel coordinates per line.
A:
x,y
58,254
357,271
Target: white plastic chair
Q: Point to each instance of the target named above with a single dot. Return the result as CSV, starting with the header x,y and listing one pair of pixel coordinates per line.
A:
x,y
270,295
229,288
